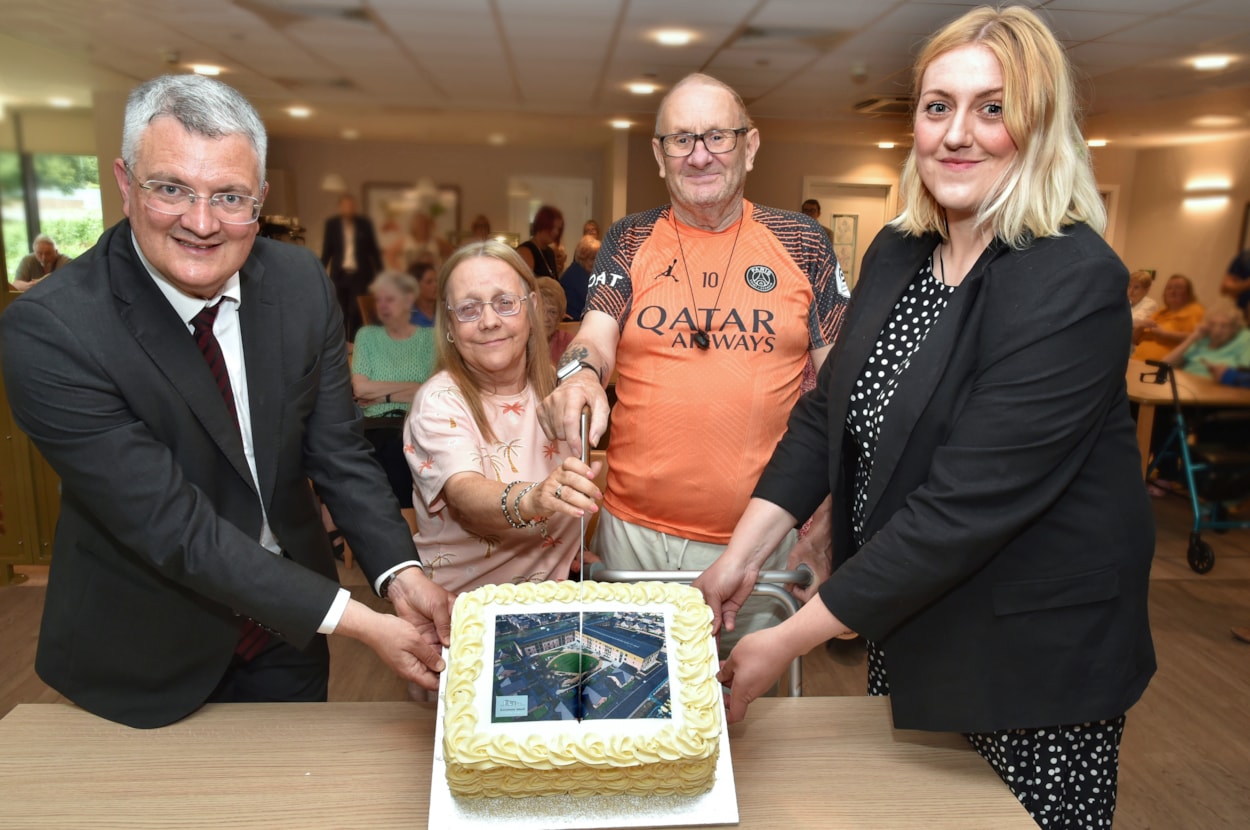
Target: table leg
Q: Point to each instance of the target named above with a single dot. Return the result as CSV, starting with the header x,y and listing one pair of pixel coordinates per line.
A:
x,y
1145,426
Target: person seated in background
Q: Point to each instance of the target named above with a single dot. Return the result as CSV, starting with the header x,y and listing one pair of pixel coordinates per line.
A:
x,y
426,303
496,501
43,260
576,278
554,306
1180,315
539,252
1220,341
1142,306
591,228
480,229
390,362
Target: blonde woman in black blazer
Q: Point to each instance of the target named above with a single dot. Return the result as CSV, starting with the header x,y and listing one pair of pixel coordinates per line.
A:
x,y
992,537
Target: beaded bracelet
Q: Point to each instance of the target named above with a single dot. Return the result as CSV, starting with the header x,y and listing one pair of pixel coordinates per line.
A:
x,y
539,522
503,506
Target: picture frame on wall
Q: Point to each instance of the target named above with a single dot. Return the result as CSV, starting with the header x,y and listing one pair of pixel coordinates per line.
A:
x,y
845,235
391,206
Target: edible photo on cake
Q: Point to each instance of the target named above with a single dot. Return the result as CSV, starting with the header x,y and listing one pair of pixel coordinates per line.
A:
x,y
600,665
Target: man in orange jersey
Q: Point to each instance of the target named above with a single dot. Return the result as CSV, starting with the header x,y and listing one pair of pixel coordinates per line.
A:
x,y
708,309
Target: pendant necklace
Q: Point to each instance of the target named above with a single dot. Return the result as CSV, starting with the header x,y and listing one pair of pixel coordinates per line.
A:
x,y
701,338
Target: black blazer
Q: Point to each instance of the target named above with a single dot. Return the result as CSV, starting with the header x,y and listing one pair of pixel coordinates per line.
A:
x,y
1009,533
368,254
156,547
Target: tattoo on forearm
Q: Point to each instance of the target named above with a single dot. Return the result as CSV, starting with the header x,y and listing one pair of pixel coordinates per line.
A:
x,y
575,352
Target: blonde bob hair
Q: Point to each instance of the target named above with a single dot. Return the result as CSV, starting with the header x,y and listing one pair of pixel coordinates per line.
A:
x,y
1049,183
538,368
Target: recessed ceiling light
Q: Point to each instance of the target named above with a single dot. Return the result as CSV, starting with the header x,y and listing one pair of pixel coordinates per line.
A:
x,y
621,124
350,134
642,88
673,37
1208,63
298,112
205,69
1097,142
61,103
885,145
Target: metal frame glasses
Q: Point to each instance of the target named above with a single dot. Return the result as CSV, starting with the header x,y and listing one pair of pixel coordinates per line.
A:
x,y
174,199
505,305
716,142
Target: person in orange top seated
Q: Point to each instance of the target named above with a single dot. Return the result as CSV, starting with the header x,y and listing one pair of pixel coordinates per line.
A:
x,y
1180,315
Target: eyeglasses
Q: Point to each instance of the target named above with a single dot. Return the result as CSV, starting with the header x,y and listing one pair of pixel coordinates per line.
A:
x,y
505,305
680,145
176,199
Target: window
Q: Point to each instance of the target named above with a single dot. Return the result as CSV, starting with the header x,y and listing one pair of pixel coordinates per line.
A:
x,y
66,202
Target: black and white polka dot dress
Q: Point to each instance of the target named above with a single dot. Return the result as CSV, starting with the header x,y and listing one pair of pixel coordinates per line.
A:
x,y
1064,776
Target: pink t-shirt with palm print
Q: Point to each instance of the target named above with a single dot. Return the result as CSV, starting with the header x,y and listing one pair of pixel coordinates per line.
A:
x,y
441,439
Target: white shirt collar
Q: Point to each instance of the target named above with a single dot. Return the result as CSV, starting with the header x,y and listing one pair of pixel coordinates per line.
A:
x,y
186,305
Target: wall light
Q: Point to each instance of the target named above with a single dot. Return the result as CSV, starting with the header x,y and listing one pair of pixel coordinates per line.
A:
x,y
1096,142
205,69
60,103
298,112
885,145
1207,194
621,124
642,88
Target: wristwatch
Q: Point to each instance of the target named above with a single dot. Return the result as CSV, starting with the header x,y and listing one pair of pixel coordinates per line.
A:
x,y
569,369
385,587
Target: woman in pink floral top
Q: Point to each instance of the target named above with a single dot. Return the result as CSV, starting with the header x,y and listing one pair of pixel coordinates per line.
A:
x,y
496,500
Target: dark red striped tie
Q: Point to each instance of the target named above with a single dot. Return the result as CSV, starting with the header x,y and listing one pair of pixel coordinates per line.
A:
x,y
252,638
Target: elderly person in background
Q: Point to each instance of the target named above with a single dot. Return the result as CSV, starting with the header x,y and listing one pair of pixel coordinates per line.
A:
x,y
496,500
991,535
389,364
426,304
542,251
1180,315
576,278
554,306
1219,342
591,228
43,260
1142,306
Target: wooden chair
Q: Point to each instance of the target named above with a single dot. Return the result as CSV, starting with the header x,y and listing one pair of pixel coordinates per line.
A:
x,y
368,309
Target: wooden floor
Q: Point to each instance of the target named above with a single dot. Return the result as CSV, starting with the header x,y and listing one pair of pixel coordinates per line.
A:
x,y
1185,761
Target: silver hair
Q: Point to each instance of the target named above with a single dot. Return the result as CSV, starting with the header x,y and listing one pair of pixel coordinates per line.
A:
x,y
43,237
201,105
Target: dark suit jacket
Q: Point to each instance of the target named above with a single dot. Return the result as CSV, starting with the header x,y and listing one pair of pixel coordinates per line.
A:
x,y
368,254
156,547
1009,534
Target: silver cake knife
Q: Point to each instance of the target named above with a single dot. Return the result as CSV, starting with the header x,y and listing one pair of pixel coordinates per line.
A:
x,y
581,576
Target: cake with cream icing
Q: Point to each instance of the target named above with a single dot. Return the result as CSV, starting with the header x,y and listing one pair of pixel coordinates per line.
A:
x,y
581,689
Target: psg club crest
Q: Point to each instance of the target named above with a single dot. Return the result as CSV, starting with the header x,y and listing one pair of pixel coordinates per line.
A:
x,y
761,278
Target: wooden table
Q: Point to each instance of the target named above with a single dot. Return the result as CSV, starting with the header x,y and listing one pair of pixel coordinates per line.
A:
x,y
827,762
1192,390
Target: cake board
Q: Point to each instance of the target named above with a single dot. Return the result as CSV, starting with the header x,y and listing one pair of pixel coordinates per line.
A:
x,y
718,805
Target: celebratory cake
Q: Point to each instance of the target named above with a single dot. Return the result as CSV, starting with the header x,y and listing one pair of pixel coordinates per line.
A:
x,y
581,689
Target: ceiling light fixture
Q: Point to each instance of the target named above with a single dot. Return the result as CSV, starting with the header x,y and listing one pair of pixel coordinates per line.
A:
x,y
60,103
298,112
1211,63
642,88
206,69
1096,142
885,145
621,124
673,37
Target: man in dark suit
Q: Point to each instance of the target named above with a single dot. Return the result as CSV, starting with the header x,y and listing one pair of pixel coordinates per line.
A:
x,y
350,253
187,380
